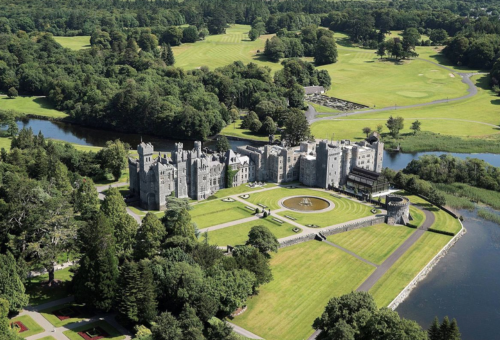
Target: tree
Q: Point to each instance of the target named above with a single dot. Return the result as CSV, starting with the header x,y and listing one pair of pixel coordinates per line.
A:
x,y
397,50
190,34
129,285
166,327
6,332
167,55
380,127
149,237
255,126
415,126
454,333
86,201
268,127
191,325
253,34
172,36
251,259
433,332
296,128
438,36
222,144
274,49
114,157
381,49
395,125
367,130
248,119
95,282
12,92
261,238
217,24
178,223
325,51
11,285
296,96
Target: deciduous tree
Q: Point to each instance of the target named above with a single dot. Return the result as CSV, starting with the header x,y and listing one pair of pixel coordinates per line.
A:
x,y
261,238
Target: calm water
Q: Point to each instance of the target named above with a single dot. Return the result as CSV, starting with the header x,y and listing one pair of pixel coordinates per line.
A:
x,y
464,284
94,137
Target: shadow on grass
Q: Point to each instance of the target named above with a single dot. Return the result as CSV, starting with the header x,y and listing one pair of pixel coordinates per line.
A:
x,y
44,103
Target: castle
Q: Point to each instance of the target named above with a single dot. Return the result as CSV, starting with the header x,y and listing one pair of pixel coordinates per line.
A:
x,y
198,175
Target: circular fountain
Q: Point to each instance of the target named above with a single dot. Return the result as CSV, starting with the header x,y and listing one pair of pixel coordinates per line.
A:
x,y
306,203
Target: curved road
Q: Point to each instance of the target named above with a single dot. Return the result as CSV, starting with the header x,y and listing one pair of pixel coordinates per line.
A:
x,y
472,91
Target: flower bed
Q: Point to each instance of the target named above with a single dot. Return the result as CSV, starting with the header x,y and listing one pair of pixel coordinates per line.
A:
x,y
66,313
95,333
19,326
245,196
227,199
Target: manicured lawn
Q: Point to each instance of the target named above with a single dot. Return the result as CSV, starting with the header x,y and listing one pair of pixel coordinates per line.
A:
x,y
113,333
323,109
71,312
446,222
224,49
235,130
33,327
74,43
238,234
210,213
345,209
244,188
407,267
306,276
374,243
47,338
418,216
39,293
31,105
452,118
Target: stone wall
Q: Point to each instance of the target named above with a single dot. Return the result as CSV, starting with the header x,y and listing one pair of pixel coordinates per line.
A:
x,y
398,209
332,230
426,270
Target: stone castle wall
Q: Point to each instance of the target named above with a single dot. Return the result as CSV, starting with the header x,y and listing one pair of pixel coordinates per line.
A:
x,y
398,208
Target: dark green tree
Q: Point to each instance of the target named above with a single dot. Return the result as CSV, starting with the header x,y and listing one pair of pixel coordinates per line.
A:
x,y
191,325
95,282
147,293
325,51
86,201
395,125
295,96
261,238
128,304
253,260
149,237
222,144
167,55
178,223
166,327
274,49
6,332
12,92
11,284
190,34
253,34
296,128
433,331
114,157
381,50
415,126
268,127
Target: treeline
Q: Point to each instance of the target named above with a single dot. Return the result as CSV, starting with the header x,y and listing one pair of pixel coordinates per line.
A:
x,y
157,276
120,84
310,42
449,169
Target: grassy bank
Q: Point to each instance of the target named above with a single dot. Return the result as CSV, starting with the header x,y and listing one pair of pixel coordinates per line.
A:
x,y
31,105
235,130
488,215
74,43
468,192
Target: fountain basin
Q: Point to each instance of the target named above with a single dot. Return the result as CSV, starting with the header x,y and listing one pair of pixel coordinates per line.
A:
x,y
306,203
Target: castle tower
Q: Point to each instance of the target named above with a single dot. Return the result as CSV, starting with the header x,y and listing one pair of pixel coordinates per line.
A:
x,y
328,165
145,151
197,148
379,155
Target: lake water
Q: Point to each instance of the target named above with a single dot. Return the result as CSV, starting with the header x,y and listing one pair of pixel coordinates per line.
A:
x,y
463,285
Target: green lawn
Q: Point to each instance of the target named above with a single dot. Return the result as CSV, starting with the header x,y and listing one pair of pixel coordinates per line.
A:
x,y
39,293
113,333
323,109
446,222
74,43
238,234
221,50
306,276
374,243
47,338
407,267
452,118
33,327
235,130
31,105
210,213
345,209
54,320
418,216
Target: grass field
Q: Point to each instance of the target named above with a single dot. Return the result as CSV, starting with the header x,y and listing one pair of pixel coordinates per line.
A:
x,y
74,43
54,320
446,222
220,50
407,267
345,209
238,234
33,327
235,130
321,108
374,243
41,294
418,216
451,118
287,306
210,213
240,190
113,333
31,105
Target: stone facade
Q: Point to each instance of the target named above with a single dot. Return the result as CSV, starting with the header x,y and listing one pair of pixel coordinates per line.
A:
x,y
198,175
398,209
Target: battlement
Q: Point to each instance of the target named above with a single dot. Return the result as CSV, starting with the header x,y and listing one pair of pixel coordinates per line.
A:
x,y
398,209
145,148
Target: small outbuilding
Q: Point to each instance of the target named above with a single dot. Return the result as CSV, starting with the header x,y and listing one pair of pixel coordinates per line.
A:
x,y
308,90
